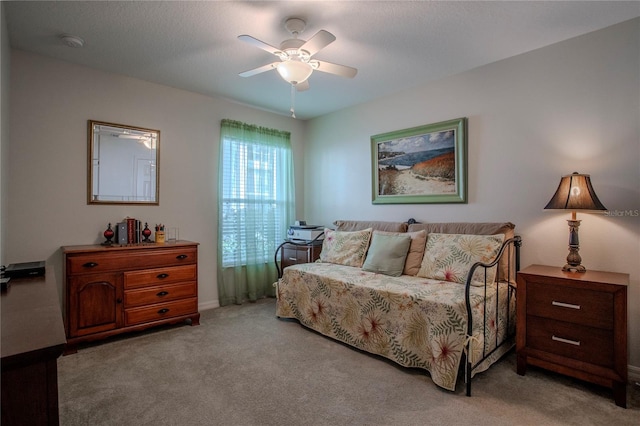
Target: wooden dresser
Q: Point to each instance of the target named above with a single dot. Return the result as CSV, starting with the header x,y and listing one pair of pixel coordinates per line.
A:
x,y
575,324
115,289
32,340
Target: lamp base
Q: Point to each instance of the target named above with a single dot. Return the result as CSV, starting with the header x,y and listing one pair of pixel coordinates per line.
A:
x,y
575,268
573,258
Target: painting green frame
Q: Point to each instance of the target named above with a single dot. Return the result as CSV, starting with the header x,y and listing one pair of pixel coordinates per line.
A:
x,y
414,167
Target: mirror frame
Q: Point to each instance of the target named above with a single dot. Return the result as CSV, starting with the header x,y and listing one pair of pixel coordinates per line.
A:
x,y
90,152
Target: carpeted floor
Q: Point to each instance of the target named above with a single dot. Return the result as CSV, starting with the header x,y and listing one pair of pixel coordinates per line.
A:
x,y
244,366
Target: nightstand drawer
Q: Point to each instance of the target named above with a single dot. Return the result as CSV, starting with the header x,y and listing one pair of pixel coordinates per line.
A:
x,y
295,255
575,305
587,344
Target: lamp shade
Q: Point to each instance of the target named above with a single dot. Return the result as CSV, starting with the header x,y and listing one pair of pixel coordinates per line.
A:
x,y
575,193
294,71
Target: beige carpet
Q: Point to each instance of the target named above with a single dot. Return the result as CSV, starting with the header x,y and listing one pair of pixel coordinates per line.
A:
x,y
243,366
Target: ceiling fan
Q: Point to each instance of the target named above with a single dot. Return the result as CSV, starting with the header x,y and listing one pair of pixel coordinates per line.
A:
x,y
295,63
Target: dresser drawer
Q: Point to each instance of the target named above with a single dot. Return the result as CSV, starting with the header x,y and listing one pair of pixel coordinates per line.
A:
x,y
160,311
121,260
570,304
153,277
588,344
159,294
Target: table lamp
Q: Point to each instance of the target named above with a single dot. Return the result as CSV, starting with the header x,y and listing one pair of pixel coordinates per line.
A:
x,y
574,193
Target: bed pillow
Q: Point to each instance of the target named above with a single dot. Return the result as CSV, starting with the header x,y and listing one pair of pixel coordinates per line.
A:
x,y
449,257
358,225
345,248
476,228
416,250
387,254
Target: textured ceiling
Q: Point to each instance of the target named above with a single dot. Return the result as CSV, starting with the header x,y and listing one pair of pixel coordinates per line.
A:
x,y
395,45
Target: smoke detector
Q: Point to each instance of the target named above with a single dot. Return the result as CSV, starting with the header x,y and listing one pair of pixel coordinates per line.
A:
x,y
71,40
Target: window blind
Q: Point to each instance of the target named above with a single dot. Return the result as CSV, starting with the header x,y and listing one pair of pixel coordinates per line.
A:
x,y
256,192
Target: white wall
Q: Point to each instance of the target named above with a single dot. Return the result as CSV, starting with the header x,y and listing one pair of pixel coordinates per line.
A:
x,y
51,102
573,106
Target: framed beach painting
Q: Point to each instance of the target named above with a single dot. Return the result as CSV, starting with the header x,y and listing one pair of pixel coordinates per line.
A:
x,y
426,164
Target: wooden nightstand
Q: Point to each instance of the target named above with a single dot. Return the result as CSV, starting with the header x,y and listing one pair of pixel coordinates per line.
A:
x,y
295,252
575,324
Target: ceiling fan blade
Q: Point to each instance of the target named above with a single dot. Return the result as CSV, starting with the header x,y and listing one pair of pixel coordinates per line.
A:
x,y
259,44
341,70
320,40
258,70
301,87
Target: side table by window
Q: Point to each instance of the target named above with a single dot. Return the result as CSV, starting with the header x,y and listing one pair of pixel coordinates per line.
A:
x,y
574,323
293,252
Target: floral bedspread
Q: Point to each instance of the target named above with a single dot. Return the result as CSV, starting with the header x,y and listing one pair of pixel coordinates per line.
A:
x,y
416,322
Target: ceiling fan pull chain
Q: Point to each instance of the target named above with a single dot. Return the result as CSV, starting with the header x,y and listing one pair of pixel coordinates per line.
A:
x,y
293,101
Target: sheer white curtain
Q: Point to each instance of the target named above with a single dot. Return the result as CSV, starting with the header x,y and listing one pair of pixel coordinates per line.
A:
x,y
256,204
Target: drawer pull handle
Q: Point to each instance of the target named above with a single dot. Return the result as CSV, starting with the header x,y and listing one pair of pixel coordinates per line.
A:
x,y
181,256
162,293
570,342
90,265
163,311
162,276
293,258
565,305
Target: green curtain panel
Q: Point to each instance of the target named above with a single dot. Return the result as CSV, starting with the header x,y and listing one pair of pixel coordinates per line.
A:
x,y
256,206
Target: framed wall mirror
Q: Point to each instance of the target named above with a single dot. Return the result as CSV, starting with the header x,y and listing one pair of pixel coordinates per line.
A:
x,y
123,164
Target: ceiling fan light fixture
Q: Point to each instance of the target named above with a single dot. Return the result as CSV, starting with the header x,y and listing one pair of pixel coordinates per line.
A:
x,y
72,40
294,72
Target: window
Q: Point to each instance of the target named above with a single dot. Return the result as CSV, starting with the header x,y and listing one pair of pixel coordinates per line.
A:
x,y
256,197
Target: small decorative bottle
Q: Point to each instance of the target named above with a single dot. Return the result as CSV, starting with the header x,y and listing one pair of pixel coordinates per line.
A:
x,y
108,234
146,233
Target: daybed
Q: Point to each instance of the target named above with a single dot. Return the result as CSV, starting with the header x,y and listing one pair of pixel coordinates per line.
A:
x,y
412,309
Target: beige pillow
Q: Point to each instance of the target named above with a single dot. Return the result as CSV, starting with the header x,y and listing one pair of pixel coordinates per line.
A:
x,y
476,228
449,257
416,250
345,248
357,225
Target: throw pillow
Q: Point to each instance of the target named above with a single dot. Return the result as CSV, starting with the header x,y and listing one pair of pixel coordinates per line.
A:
x,y
416,250
345,248
449,257
387,254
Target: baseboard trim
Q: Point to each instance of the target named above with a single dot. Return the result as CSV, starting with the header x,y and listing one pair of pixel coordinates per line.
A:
x,y
208,305
634,373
